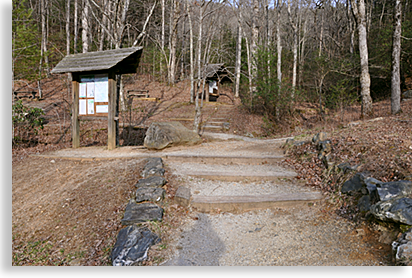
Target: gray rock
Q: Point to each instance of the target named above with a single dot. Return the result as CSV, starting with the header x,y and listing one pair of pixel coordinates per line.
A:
x,y
138,213
153,167
407,94
132,245
402,249
353,185
324,148
153,162
300,143
364,203
153,181
321,136
394,189
182,196
153,172
150,194
166,134
396,210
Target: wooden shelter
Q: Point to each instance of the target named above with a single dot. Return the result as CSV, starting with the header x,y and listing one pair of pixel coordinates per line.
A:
x,y
215,74
94,88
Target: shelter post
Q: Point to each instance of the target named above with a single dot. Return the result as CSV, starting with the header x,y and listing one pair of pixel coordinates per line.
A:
x,y
75,112
111,118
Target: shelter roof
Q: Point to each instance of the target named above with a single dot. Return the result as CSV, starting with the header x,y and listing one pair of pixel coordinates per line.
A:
x,y
216,71
121,61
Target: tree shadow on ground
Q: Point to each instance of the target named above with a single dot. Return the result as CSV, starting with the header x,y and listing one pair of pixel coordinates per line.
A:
x,y
200,246
132,136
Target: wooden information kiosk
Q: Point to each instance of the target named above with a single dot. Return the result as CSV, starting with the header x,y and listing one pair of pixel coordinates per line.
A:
x,y
94,87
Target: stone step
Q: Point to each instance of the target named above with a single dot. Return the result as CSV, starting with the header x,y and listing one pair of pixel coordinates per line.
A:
x,y
245,203
215,159
240,176
212,127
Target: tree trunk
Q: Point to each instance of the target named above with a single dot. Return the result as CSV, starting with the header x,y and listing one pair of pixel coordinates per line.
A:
x,y
359,12
254,42
85,26
238,58
198,109
173,42
43,47
396,54
67,27
76,35
192,68
294,49
279,56
104,23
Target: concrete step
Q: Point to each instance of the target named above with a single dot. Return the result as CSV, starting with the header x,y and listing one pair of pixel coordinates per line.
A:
x,y
245,203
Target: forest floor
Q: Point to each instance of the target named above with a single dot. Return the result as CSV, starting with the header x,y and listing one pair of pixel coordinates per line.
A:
x,y
68,212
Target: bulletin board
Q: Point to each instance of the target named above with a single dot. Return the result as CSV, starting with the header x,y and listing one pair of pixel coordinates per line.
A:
x,y
94,95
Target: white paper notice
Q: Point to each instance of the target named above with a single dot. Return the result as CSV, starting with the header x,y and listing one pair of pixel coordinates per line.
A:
x,y
102,108
82,92
90,106
90,89
101,89
82,107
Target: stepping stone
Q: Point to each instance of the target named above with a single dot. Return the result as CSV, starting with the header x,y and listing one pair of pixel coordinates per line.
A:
x,y
154,181
150,194
153,172
132,245
138,213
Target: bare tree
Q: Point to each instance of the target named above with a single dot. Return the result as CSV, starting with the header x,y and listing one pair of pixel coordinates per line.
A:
x,y
76,29
294,48
358,8
85,26
396,54
67,27
173,41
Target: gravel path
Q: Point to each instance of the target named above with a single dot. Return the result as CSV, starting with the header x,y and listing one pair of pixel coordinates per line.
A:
x,y
295,236
301,236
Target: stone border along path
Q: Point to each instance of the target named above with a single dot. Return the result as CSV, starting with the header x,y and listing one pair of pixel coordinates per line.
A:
x,y
134,241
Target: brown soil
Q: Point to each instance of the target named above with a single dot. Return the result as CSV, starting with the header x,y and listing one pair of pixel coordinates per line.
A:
x,y
72,208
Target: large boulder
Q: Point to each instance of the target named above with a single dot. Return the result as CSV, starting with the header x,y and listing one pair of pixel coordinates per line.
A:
x,y
132,245
166,134
396,210
390,190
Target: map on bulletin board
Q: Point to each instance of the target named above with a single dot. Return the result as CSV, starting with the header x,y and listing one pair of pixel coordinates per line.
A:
x,y
94,95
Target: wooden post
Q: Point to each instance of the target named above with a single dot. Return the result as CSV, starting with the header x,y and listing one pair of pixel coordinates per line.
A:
x,y
75,112
111,118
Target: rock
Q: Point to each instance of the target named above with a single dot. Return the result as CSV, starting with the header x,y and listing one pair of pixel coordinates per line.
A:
x,y
402,249
394,189
138,213
300,143
150,194
153,172
153,181
353,185
324,148
226,126
321,136
154,162
166,134
132,245
153,167
407,94
364,203
182,196
396,210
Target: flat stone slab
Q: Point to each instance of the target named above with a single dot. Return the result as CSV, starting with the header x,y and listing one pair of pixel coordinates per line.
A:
x,y
150,194
138,213
245,203
153,181
132,245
